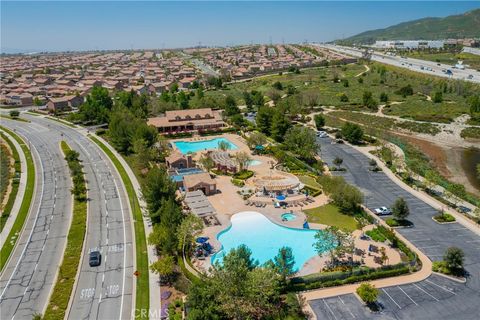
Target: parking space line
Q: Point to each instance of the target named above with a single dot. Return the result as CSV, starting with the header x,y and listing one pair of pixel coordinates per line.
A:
x,y
470,241
329,309
407,295
434,246
392,299
425,292
353,316
441,287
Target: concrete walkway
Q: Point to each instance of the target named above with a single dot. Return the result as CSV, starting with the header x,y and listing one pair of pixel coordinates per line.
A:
x,y
20,193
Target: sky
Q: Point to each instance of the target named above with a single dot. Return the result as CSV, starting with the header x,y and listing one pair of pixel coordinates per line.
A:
x,y
82,25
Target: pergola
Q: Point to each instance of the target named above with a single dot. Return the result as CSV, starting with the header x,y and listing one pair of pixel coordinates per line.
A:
x,y
276,181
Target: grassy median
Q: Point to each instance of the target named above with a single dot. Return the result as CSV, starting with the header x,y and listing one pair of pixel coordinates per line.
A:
x,y
62,291
6,176
24,207
142,297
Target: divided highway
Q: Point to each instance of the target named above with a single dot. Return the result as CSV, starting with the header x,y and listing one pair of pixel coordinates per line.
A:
x,y
103,292
433,298
411,64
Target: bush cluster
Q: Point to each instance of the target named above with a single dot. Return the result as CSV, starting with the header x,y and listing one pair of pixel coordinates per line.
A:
x,y
79,189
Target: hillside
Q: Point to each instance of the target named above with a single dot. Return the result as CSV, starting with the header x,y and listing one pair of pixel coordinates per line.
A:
x,y
465,25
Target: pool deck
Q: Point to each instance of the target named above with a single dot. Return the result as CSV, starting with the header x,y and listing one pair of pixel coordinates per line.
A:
x,y
229,202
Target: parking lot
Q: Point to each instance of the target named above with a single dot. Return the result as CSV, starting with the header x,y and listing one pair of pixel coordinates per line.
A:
x,y
433,298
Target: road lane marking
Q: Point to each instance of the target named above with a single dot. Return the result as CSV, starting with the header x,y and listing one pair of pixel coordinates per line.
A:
x,y
425,292
407,295
392,299
33,227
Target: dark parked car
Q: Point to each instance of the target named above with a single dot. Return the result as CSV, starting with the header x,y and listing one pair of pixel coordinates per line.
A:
x,y
463,209
95,258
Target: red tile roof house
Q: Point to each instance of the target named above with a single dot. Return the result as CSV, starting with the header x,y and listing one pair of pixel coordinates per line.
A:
x,y
186,82
158,87
188,120
22,99
64,103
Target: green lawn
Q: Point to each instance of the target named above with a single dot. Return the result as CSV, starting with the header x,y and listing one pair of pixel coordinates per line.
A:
x,y
5,175
142,298
62,291
24,207
310,182
331,216
4,170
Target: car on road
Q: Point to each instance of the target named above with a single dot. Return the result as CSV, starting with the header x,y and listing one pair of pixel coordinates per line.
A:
x,y
95,258
470,76
464,209
382,211
322,134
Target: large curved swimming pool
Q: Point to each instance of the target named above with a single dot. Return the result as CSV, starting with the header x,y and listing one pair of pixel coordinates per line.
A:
x,y
264,238
194,146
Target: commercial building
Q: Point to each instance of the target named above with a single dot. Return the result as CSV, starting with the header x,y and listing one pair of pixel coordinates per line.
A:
x,y
409,44
188,120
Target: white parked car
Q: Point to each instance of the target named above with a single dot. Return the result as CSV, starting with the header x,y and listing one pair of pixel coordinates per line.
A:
x,y
322,134
382,211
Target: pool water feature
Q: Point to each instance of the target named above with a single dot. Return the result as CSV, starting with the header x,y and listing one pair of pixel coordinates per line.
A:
x,y
289,216
265,238
194,146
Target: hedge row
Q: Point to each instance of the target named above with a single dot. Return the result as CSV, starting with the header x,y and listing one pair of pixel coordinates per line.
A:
x,y
348,278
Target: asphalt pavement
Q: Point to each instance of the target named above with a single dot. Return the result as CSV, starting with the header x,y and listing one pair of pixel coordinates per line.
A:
x,y
429,67
427,235
103,292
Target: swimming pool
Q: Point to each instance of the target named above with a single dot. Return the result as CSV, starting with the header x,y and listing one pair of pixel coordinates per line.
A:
x,y
264,238
289,216
254,162
194,146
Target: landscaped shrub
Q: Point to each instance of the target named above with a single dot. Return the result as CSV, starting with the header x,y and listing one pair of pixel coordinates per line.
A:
x,y
444,217
243,175
237,182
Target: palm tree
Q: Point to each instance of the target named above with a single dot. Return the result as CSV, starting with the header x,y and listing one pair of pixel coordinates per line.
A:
x,y
243,160
223,145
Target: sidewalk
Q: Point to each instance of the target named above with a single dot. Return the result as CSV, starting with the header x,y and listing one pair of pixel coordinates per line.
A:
x,y
20,193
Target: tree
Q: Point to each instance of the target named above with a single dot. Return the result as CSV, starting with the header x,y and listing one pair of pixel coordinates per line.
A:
x,y
383,97
405,91
368,293
400,209
343,98
337,161
277,85
247,97
14,114
164,267
231,106
432,178
438,97
319,121
454,259
97,106
326,241
223,145
242,159
156,187
474,102
264,119
369,101
347,198
279,126
284,263
353,133
302,142
207,162
256,139
188,229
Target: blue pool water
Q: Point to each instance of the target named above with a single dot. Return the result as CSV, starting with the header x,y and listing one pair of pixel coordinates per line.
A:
x,y
289,216
194,146
180,173
254,162
264,238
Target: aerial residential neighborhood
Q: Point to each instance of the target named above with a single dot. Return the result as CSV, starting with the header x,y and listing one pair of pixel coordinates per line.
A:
x,y
240,160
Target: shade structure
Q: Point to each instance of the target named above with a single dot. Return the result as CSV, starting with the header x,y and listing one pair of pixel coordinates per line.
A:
x,y
276,181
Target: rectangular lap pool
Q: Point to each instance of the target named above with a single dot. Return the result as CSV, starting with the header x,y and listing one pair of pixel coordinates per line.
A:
x,y
194,146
